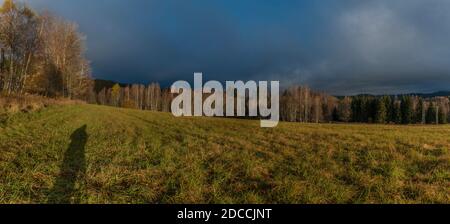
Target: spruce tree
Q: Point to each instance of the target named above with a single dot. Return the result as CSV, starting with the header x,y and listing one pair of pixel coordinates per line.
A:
x,y
406,109
356,109
380,111
373,105
431,114
335,114
397,114
419,112
393,112
365,109
388,104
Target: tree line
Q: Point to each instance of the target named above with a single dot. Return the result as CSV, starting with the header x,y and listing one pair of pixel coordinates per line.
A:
x,y
301,104
404,109
41,54
136,96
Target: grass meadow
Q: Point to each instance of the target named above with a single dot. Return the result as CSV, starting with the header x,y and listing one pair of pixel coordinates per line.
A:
x,y
96,154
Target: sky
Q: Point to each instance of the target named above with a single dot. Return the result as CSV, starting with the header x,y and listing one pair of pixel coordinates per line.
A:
x,y
341,47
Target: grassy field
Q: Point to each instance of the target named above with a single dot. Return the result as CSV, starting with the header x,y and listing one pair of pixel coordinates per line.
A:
x,y
95,154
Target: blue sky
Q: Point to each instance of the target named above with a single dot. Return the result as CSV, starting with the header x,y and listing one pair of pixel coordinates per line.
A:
x,y
342,47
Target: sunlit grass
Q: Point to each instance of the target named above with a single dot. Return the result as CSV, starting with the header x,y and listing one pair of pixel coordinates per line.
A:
x,y
135,156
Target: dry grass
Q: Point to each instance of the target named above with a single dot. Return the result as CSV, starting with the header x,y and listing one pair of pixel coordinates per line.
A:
x,y
30,103
130,156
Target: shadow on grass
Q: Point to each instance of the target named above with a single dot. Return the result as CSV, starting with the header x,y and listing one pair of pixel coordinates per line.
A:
x,y
72,169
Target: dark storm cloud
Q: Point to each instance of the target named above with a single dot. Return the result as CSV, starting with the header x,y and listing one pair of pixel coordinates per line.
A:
x,y
342,47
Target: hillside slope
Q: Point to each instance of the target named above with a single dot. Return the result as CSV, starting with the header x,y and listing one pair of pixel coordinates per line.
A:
x,y
95,154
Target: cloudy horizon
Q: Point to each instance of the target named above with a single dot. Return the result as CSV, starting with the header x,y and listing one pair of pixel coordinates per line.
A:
x,y
341,47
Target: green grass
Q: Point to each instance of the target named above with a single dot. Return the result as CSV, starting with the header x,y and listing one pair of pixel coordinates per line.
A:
x,y
95,154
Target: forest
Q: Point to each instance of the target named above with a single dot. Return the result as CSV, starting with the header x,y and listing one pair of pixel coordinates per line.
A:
x,y
301,104
43,54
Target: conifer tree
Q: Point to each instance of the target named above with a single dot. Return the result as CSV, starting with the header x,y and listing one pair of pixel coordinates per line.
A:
x,y
442,118
388,104
335,114
406,108
420,112
431,114
393,111
380,111
397,115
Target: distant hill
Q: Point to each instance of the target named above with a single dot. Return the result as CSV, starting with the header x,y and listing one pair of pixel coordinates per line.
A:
x,y
423,95
429,95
